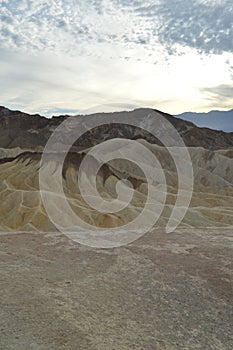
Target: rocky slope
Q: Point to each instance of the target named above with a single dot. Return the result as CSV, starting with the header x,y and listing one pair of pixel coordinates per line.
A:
x,y
23,137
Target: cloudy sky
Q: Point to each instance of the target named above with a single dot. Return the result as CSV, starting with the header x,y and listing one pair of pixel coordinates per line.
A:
x,y
67,56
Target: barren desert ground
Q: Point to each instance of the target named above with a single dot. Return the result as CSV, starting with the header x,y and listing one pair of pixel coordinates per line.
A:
x,y
164,291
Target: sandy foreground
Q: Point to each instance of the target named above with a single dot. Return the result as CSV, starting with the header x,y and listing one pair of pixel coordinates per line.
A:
x,y
164,291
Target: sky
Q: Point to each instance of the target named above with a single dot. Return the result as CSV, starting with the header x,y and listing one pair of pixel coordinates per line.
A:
x,y
83,56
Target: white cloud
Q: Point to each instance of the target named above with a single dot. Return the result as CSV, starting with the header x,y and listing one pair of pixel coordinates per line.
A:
x,y
69,25
78,54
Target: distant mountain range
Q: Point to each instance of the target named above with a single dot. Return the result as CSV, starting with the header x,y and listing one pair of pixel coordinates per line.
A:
x,y
219,120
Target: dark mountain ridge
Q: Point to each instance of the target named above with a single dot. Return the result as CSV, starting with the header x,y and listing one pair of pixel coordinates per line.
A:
x,y
18,129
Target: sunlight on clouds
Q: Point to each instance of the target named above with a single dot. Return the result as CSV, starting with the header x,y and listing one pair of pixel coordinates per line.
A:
x,y
47,82
114,53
